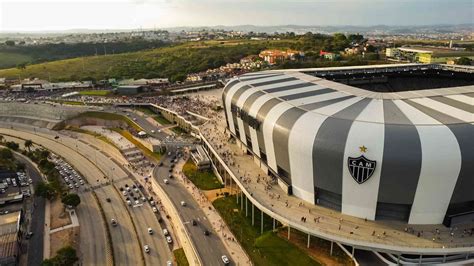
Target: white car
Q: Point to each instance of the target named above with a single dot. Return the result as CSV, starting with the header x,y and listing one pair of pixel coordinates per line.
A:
x,y
225,259
165,232
152,131
129,203
166,181
137,202
155,210
150,231
124,193
146,248
183,203
169,240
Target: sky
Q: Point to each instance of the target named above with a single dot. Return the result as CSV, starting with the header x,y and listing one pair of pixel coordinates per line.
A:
x,y
42,15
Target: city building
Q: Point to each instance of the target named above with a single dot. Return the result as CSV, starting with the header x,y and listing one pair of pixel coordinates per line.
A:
x,y
274,56
389,142
10,238
426,55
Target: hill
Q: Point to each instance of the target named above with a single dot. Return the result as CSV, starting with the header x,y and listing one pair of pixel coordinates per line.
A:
x,y
171,62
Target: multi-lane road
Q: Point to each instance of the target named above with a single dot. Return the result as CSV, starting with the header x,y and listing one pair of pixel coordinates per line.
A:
x,y
133,222
209,248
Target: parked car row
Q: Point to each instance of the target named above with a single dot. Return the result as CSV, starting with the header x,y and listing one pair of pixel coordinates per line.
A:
x,y
70,176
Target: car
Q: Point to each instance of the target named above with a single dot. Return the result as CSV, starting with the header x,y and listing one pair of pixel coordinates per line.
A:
x,y
153,131
166,181
56,137
169,263
81,182
29,235
155,210
137,202
150,231
134,119
146,248
129,189
129,203
76,185
206,232
169,240
165,232
143,199
225,260
136,190
193,222
71,186
152,203
183,203
124,193
113,222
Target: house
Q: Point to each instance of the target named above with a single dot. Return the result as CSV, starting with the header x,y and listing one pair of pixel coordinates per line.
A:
x,y
329,55
274,56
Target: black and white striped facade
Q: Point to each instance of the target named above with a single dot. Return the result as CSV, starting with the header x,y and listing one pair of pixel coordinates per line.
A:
x,y
303,129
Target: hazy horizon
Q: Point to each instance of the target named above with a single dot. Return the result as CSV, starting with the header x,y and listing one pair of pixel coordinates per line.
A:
x,y
69,15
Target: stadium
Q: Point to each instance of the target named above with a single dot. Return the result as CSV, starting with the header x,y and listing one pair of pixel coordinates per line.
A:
x,y
386,142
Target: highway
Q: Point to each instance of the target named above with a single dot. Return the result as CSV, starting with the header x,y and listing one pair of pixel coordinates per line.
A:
x,y
101,170
210,248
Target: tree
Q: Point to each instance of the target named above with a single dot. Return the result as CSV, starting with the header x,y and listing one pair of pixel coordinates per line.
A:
x,y
2,138
28,144
71,199
12,145
44,190
464,61
64,257
10,43
21,66
6,154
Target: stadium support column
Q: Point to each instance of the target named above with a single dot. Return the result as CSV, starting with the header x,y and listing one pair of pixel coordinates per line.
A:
x,y
353,249
289,230
246,206
253,216
273,224
332,246
309,239
237,198
261,222
242,200
419,260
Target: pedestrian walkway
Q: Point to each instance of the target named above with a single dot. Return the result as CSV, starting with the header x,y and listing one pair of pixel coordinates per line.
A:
x,y
74,222
46,238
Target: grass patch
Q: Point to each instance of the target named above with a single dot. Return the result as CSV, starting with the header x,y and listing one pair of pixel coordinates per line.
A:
x,y
110,116
145,150
8,59
69,102
95,92
203,179
161,119
265,249
178,130
92,133
145,110
180,257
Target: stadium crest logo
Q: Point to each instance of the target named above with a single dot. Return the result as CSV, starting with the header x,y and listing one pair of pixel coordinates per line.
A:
x,y
361,168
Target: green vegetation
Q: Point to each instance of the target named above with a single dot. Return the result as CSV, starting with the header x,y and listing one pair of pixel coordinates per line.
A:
x,y
95,92
92,133
161,119
54,186
203,179
180,257
7,161
65,256
464,61
71,199
145,150
178,60
12,145
11,59
13,54
264,249
110,116
178,130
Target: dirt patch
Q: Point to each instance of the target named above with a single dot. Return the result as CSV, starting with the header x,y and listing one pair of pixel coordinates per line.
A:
x,y
214,194
66,237
319,249
59,216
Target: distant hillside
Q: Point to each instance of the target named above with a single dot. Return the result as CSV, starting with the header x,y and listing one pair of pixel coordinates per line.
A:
x,y
11,56
171,62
